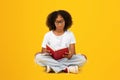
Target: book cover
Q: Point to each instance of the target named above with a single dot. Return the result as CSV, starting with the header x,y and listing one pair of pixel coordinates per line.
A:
x,y
57,54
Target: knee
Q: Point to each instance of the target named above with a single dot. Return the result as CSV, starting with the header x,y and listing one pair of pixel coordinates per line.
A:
x,y
37,53
84,56
38,57
82,59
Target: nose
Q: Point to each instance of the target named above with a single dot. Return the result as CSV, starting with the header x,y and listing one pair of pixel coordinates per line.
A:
x,y
59,24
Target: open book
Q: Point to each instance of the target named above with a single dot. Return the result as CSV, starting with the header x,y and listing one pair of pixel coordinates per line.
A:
x,y
57,54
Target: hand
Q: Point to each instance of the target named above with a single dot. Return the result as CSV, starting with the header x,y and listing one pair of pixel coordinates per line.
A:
x,y
68,55
48,51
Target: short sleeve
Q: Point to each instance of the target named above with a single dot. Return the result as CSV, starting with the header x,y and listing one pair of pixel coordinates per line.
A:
x,y
72,38
45,41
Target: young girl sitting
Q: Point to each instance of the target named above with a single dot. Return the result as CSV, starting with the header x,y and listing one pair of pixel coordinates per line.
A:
x,y
60,37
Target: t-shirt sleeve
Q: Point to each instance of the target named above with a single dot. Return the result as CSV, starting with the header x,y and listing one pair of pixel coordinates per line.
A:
x,y
45,41
72,38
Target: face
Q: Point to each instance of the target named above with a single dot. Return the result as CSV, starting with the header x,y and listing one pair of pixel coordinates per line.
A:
x,y
59,23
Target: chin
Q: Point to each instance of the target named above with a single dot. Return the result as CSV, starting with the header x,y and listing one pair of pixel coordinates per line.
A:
x,y
60,29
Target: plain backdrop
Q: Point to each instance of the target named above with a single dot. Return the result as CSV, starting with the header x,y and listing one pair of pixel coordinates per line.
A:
x,y
96,26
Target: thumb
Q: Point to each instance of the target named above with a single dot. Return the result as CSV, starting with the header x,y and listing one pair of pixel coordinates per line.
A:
x,y
66,53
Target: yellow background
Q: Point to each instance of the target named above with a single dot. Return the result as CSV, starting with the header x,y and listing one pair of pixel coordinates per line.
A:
x,y
96,26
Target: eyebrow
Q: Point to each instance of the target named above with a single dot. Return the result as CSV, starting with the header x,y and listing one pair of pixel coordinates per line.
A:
x,y
60,20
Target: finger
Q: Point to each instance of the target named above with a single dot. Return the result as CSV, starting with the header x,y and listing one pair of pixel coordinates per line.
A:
x,y
66,53
48,51
65,56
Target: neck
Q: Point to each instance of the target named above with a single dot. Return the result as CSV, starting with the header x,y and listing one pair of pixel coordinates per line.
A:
x,y
58,32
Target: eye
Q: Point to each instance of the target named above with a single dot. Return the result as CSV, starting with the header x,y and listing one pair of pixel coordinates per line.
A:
x,y
61,21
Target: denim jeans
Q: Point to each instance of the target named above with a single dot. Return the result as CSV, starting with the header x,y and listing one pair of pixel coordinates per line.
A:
x,y
61,64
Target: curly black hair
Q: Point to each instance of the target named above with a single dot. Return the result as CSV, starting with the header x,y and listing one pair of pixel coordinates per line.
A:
x,y
50,22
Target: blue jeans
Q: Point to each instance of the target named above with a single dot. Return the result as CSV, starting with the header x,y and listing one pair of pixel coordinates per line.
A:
x,y
61,64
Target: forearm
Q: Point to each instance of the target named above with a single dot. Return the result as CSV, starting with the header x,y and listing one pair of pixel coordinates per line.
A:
x,y
43,50
72,49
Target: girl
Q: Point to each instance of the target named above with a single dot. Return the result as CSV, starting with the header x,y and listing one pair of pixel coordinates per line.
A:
x,y
60,37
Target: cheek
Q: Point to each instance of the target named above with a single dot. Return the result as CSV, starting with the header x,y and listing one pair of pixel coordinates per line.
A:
x,y
64,25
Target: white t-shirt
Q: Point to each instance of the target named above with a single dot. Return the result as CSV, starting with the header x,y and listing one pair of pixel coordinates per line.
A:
x,y
58,42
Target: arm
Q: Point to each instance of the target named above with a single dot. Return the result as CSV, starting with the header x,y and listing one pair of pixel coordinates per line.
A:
x,y
71,51
44,50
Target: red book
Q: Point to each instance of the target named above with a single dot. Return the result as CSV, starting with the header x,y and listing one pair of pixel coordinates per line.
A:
x,y
57,54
